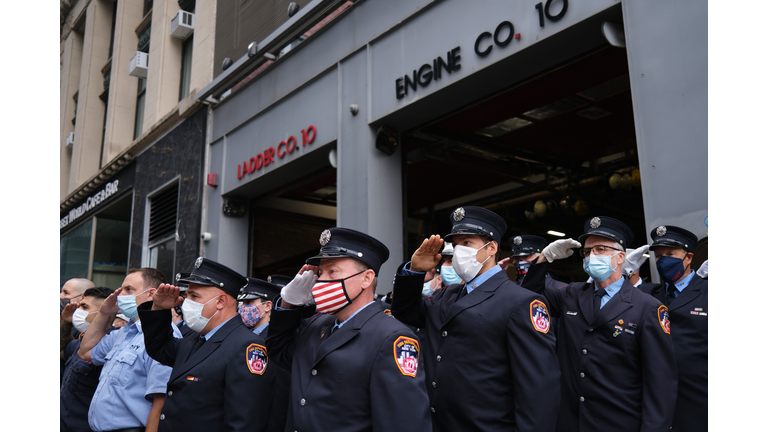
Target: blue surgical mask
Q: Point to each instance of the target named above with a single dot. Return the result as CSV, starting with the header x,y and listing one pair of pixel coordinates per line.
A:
x,y
449,276
670,268
427,290
599,267
127,305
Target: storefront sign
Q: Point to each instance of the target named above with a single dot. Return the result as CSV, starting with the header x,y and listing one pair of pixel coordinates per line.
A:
x,y
261,160
91,203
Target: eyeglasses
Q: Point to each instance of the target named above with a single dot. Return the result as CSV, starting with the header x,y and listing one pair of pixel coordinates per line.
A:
x,y
599,250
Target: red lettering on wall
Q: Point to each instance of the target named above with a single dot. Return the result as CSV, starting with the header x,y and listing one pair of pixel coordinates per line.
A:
x,y
305,135
266,157
290,147
269,156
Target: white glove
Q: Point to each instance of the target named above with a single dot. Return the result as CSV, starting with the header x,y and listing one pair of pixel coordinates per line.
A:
x,y
298,292
703,271
634,259
560,249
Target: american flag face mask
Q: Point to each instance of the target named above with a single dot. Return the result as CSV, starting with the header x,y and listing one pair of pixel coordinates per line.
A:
x,y
331,295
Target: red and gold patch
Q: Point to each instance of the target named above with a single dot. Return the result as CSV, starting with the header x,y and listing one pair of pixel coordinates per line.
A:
x,y
407,355
539,316
256,358
663,314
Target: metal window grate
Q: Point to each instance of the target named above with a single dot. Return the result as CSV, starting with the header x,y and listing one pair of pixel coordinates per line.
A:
x,y
162,213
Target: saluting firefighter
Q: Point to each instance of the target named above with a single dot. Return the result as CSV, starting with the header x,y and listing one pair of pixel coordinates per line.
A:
x,y
614,346
354,367
525,250
489,351
256,309
686,294
222,379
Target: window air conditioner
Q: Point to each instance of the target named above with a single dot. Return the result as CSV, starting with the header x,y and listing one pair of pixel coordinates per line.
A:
x,y
70,140
138,65
183,24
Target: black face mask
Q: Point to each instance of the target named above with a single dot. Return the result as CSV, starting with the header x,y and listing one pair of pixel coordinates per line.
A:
x,y
63,302
522,270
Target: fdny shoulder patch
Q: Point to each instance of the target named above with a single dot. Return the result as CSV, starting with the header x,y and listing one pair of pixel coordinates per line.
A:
x,y
256,358
539,316
407,355
663,315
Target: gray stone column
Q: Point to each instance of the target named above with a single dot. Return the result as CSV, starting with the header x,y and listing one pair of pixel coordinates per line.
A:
x,y
369,181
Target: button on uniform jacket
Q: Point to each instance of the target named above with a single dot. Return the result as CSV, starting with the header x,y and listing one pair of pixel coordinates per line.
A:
x,y
488,367
214,388
366,376
690,329
618,370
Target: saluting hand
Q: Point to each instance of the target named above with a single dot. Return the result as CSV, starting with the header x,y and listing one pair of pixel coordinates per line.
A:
x,y
504,264
110,303
298,292
166,297
69,309
427,255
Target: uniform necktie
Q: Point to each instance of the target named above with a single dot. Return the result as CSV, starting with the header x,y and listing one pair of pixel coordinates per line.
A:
x,y
200,341
671,293
598,299
462,293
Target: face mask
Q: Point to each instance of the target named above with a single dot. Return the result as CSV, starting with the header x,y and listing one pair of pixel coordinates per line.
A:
x,y
127,305
427,291
449,276
522,270
78,320
598,267
63,303
670,268
465,262
250,314
331,295
193,314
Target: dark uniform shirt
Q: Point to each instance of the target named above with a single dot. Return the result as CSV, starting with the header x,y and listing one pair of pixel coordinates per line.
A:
x,y
618,369
690,330
489,356
78,385
217,386
366,376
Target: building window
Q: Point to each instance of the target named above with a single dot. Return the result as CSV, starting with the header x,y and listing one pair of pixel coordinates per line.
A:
x,y
112,35
104,96
147,6
75,253
139,121
186,67
161,237
74,119
187,5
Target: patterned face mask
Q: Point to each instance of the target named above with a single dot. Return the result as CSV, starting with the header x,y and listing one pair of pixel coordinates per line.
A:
x,y
331,295
251,314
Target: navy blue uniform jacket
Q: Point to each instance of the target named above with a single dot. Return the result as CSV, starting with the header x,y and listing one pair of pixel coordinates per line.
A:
x,y
215,388
488,367
351,380
619,372
690,329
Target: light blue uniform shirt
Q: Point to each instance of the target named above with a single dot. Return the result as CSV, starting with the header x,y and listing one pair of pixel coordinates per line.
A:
x,y
260,329
122,398
610,290
683,283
